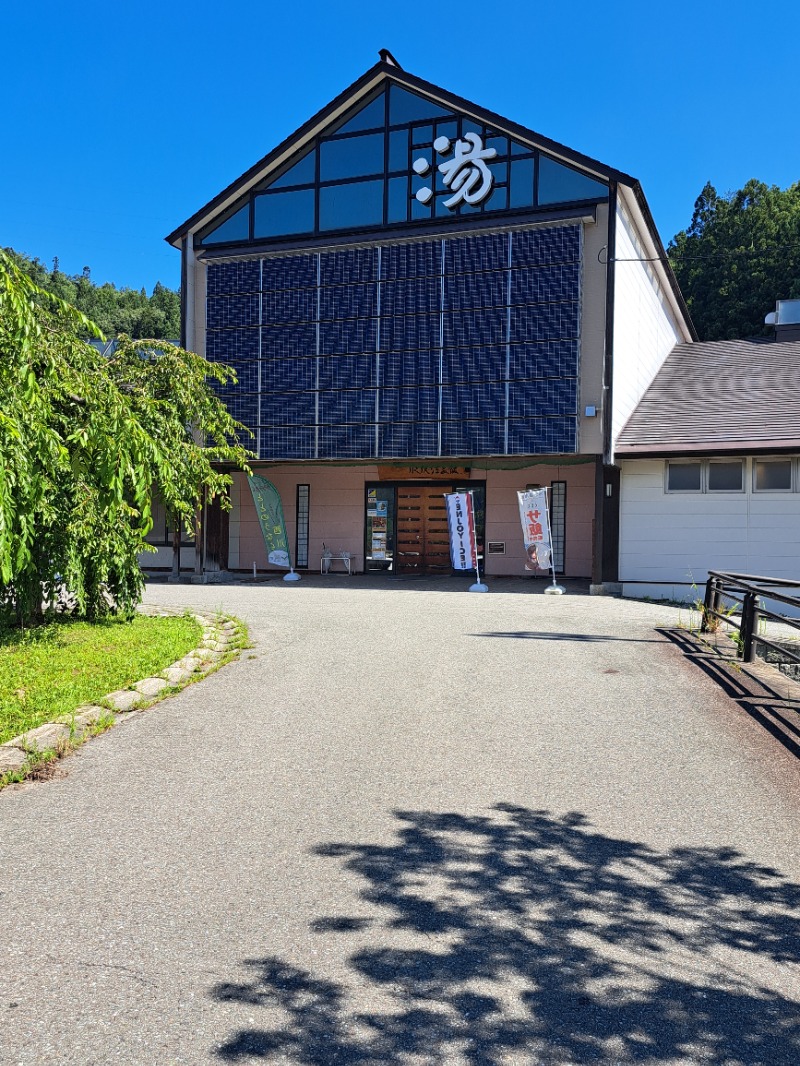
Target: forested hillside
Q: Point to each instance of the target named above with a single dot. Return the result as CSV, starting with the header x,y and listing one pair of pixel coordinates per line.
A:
x,y
115,310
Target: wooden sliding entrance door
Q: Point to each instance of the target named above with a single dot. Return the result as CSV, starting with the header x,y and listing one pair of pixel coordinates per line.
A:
x,y
423,545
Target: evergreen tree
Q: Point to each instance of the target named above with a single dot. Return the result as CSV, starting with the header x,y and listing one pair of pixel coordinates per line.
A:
x,y
740,253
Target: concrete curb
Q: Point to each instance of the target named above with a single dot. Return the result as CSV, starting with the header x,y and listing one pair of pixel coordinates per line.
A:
x,y
221,642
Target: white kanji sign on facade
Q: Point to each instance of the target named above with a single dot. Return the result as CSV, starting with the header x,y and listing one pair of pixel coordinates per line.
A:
x,y
466,174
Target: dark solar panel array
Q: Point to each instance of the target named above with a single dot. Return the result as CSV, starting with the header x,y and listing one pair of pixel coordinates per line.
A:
x,y
465,346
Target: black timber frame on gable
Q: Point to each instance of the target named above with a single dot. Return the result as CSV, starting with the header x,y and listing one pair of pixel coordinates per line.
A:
x,y
415,84
392,129
389,71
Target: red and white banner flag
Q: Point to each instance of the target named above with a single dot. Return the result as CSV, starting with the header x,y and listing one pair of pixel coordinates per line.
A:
x,y
461,522
535,528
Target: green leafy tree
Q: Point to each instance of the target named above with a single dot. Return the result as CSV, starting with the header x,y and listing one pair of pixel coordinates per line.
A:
x,y
86,441
739,255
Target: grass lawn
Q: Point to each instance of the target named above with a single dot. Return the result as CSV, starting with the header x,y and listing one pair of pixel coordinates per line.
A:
x,y
54,669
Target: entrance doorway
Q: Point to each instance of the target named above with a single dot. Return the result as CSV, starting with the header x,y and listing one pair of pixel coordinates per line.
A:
x,y
423,543
406,525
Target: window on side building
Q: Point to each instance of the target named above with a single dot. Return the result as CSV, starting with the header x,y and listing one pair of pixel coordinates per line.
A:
x,y
684,477
772,475
726,476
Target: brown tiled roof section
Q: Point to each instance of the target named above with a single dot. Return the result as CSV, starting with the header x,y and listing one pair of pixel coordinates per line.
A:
x,y
719,394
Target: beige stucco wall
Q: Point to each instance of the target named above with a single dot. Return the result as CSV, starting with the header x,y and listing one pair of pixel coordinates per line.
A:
x,y
593,333
337,513
502,515
198,324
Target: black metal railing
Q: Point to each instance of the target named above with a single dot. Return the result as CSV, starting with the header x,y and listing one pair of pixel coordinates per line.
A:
x,y
750,591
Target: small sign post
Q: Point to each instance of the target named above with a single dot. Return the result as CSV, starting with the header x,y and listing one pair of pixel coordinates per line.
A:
x,y
463,543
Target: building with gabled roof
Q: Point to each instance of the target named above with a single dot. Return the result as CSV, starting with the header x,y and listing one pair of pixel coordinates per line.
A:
x,y
710,465
418,294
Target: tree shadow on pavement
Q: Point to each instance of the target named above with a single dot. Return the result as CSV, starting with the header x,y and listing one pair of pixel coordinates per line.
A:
x,y
523,937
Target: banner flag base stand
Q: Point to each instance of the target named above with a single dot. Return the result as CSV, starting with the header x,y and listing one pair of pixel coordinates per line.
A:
x,y
478,586
291,576
554,590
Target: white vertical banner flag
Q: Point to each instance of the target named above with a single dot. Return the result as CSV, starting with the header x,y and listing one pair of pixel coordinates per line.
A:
x,y
535,528
461,523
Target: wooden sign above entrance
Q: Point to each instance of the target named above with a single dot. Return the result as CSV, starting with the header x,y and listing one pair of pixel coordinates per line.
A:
x,y
432,472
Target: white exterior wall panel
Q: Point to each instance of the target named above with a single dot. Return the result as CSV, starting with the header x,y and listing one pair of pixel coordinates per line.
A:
x,y
645,331
670,540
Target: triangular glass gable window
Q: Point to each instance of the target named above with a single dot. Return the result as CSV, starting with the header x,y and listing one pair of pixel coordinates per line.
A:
x,y
302,173
560,184
235,228
520,149
365,174
371,117
408,107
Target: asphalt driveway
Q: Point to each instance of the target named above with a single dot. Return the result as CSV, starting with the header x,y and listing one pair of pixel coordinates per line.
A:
x,y
410,826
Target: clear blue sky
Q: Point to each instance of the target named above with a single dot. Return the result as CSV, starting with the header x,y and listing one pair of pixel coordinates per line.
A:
x,y
119,121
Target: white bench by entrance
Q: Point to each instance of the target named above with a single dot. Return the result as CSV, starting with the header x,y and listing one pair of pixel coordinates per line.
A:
x,y
345,558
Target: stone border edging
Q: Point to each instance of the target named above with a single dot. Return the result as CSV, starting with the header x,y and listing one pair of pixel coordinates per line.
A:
x,y
222,639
